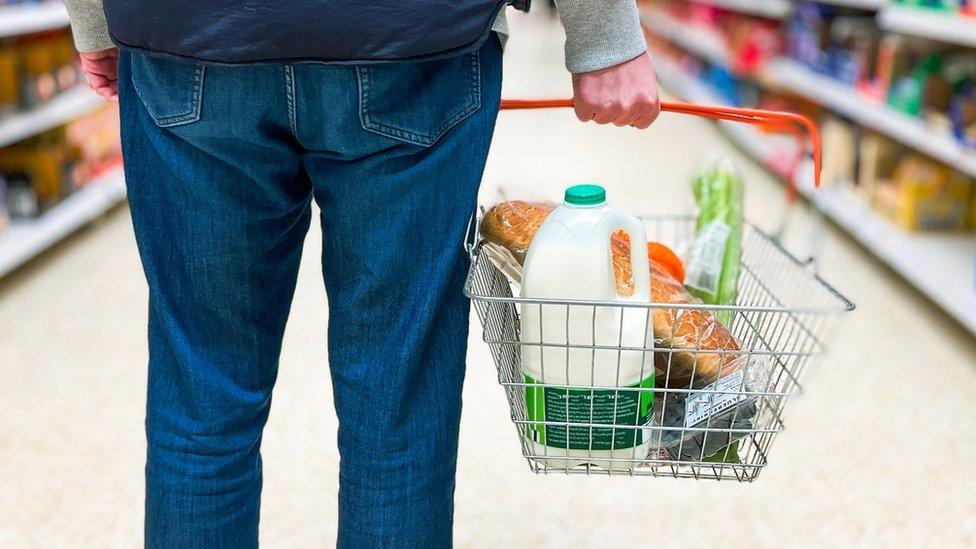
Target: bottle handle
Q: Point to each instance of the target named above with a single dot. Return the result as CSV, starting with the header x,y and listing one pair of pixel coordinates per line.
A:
x,y
639,263
786,121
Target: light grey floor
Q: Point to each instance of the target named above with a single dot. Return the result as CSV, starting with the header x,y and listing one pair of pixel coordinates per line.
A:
x,y
875,453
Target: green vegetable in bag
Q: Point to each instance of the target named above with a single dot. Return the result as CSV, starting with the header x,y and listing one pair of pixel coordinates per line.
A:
x,y
713,266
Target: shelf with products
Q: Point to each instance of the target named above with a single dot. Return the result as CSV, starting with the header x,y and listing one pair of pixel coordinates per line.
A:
x,y
856,4
844,100
23,240
770,9
703,43
695,90
62,108
942,266
26,18
939,25
57,180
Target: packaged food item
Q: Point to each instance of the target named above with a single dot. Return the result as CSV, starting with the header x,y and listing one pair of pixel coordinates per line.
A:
x,y
558,341
878,157
513,224
713,264
840,152
657,253
38,72
724,405
4,216
852,49
44,165
22,202
925,195
9,82
691,344
908,92
807,30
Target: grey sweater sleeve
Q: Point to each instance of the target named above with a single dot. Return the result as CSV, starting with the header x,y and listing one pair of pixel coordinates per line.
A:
x,y
88,25
600,33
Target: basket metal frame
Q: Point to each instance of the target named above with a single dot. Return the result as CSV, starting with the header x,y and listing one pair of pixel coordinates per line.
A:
x,y
782,317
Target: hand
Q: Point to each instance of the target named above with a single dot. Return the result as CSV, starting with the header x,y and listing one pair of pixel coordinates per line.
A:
x,y
102,70
625,94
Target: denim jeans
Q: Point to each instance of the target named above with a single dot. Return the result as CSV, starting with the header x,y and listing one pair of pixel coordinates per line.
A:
x,y
222,164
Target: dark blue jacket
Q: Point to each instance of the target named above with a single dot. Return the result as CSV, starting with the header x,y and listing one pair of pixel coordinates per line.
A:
x,y
331,31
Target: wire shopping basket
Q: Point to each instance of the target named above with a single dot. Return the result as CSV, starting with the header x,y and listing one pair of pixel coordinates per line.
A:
x,y
715,404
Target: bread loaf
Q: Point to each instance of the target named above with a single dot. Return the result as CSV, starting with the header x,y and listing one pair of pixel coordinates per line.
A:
x,y
687,339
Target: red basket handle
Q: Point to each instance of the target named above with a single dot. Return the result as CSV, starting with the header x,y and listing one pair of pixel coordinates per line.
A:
x,y
786,120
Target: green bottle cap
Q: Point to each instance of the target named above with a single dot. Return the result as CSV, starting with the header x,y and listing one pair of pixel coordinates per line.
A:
x,y
585,195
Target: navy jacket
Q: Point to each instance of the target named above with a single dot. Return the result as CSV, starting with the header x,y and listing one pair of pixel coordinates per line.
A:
x,y
331,31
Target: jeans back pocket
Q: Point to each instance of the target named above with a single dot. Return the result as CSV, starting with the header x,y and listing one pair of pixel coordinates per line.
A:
x,y
171,90
417,102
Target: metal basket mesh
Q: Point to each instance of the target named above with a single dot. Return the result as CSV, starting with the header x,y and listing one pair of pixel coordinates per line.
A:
x,y
780,321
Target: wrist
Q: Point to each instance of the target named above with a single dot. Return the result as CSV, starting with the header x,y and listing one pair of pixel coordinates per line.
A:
x,y
600,34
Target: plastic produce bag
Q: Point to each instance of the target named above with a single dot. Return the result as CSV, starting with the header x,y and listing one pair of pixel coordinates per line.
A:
x,y
713,264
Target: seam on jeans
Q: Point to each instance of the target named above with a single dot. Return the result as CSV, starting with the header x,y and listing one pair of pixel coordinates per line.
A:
x,y
417,138
290,97
194,103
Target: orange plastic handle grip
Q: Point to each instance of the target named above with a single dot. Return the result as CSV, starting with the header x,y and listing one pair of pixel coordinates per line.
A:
x,y
786,120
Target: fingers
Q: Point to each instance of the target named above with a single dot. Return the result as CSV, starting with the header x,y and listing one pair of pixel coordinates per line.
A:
x,y
102,70
109,89
624,94
583,112
104,67
647,116
640,113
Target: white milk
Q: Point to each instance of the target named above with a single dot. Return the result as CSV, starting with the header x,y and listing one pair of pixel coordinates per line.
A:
x,y
569,259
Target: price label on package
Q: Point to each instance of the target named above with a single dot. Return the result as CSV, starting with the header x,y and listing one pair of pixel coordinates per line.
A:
x,y
700,406
705,265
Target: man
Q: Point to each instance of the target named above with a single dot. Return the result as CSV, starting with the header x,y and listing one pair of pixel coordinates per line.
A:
x,y
235,116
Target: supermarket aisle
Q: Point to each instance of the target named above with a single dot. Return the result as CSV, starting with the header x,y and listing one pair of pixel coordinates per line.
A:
x,y
869,458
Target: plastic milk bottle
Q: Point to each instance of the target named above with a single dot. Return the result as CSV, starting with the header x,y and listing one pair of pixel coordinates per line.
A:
x,y
578,347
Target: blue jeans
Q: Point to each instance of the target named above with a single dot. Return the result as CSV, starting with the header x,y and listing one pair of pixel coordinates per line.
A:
x,y
222,164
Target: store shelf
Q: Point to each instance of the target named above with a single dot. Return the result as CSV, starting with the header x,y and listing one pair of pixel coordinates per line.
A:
x,y
857,4
927,23
62,109
689,88
698,41
769,9
941,266
25,239
27,18
842,99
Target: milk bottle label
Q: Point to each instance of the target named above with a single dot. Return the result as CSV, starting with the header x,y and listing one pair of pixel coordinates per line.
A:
x,y
629,410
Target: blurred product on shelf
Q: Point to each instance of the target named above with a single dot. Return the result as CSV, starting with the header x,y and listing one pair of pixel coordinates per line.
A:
x,y
25,2
920,78
44,169
35,68
925,195
965,7
4,216
840,140
744,43
876,161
